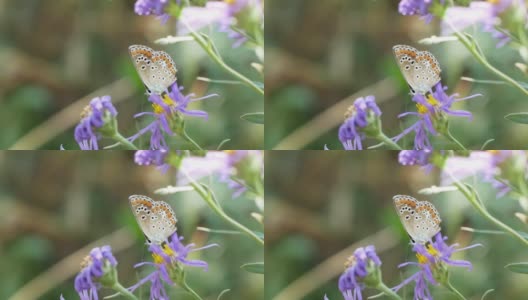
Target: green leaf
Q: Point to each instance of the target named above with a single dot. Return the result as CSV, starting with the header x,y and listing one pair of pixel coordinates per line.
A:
x,y
257,267
518,117
257,118
518,267
484,231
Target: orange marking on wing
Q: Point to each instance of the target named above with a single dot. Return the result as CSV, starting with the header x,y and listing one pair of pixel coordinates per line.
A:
x,y
411,203
136,202
406,52
167,211
166,60
141,51
429,209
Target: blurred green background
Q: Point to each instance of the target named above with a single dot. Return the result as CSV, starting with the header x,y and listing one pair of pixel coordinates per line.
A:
x,y
320,203
55,52
320,52
52,204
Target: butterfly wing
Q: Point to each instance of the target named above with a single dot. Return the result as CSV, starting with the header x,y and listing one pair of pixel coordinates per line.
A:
x,y
163,221
163,71
428,72
155,218
420,219
419,68
427,221
406,209
155,68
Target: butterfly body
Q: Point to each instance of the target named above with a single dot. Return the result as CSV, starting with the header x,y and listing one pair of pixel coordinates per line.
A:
x,y
155,68
420,219
420,69
155,218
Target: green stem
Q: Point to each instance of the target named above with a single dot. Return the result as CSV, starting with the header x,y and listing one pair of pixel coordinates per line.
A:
x,y
477,204
450,287
485,62
448,135
186,137
387,141
123,291
390,293
123,141
218,210
221,62
191,291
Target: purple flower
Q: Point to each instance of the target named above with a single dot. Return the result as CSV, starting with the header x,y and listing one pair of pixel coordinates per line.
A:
x,y
97,269
433,261
168,111
169,260
152,157
99,113
236,168
362,114
432,115
416,157
485,13
226,14
417,7
491,165
362,269
152,7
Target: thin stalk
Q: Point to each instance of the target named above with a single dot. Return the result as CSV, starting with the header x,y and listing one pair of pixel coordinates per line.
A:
x,y
482,210
387,141
448,135
191,291
387,291
485,62
186,137
450,287
123,291
123,141
214,56
219,211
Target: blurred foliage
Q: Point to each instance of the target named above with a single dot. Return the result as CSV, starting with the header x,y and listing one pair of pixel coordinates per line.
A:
x,y
320,52
323,202
53,203
55,52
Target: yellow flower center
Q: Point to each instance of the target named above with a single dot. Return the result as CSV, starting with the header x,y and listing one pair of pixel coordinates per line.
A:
x,y
422,259
158,259
494,2
230,2
350,262
350,112
87,110
158,109
87,260
422,109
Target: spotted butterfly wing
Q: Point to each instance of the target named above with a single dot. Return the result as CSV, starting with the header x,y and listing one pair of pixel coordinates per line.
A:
x,y
155,218
155,68
420,219
420,69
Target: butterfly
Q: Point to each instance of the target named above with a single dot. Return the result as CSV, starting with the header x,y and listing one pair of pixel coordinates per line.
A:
x,y
420,219
155,218
420,69
155,68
